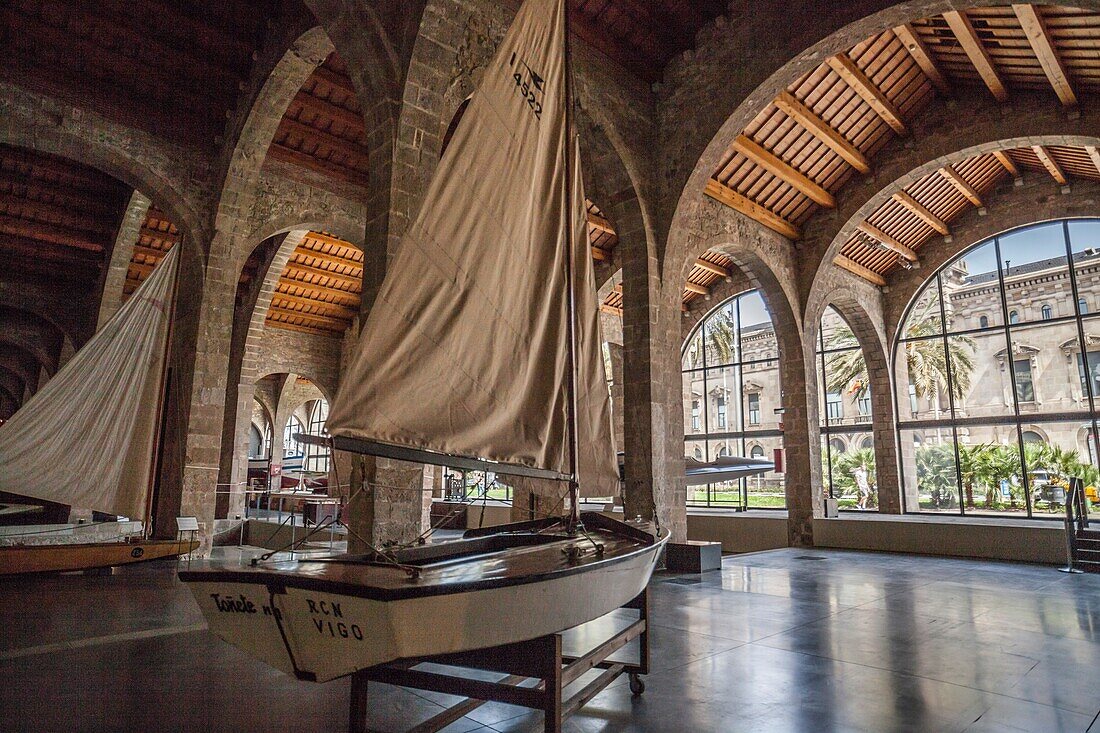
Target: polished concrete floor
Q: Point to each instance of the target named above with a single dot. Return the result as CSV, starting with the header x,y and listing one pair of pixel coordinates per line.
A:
x,y
786,640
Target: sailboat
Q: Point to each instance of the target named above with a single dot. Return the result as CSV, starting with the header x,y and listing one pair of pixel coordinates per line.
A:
x,y
88,440
481,351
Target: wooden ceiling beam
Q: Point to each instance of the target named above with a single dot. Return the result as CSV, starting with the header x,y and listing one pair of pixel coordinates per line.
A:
x,y
169,237
332,309
323,321
846,263
599,223
854,77
54,234
916,48
310,134
888,241
1094,156
324,167
803,115
1050,164
691,287
968,38
324,108
712,268
599,254
1006,162
321,238
302,251
726,195
610,309
32,250
334,79
292,266
1039,37
351,296
952,176
33,210
58,194
783,171
921,212
141,249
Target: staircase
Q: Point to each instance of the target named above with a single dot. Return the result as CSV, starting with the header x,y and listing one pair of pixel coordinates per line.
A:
x,y
1082,542
1088,550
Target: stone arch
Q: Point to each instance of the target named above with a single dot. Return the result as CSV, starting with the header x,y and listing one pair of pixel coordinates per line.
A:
x,y
747,254
727,105
827,235
1010,207
862,311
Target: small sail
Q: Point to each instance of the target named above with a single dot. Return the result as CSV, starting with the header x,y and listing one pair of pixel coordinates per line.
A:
x,y
86,438
465,350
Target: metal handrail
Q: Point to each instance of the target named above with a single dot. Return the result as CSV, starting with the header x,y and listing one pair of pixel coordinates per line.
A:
x,y
1075,504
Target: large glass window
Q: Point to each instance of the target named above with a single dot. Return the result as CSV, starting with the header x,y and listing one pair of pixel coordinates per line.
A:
x,y
847,448
317,456
731,395
292,449
1001,395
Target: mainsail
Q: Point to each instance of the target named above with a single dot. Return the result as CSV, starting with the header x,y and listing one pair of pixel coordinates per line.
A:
x,y
86,438
471,320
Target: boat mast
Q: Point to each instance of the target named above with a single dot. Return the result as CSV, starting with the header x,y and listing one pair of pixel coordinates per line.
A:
x,y
162,408
571,300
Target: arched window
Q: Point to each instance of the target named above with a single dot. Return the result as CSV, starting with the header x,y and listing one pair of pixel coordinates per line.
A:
x,y
291,447
845,383
317,456
983,322
986,404
255,441
731,392
757,452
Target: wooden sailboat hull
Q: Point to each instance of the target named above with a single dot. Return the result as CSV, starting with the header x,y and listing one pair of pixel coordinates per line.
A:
x,y
22,559
321,621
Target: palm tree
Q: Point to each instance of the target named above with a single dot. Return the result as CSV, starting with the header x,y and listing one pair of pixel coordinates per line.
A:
x,y
999,463
844,483
971,466
936,472
721,335
924,357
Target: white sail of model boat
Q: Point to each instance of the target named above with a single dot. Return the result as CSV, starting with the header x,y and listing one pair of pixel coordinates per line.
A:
x,y
86,439
472,319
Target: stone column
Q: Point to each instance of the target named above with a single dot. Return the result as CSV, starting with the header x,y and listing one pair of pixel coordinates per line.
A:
x,y
654,445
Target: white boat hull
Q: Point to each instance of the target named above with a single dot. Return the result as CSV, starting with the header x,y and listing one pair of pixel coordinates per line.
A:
x,y
322,635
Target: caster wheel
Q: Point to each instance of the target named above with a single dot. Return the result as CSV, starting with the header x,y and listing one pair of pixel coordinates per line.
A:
x,y
637,687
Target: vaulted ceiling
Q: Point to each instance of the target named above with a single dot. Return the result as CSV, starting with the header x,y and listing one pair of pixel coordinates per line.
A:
x,y
790,162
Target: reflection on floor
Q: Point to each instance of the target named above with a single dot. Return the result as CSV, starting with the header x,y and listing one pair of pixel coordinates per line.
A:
x,y
788,640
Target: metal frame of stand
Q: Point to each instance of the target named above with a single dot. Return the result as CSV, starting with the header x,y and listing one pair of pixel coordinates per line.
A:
x,y
540,659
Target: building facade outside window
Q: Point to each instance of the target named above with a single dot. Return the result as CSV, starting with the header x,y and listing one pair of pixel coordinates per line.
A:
x,y
848,464
731,390
317,457
1001,416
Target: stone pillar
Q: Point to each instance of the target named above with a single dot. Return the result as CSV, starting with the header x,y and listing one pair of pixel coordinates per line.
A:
x,y
617,400
654,444
884,428
386,502
121,253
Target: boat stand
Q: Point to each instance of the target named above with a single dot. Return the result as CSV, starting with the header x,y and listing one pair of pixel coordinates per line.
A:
x,y
539,659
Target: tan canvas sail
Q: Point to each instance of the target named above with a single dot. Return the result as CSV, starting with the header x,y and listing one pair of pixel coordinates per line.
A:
x,y
86,438
465,349
597,464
